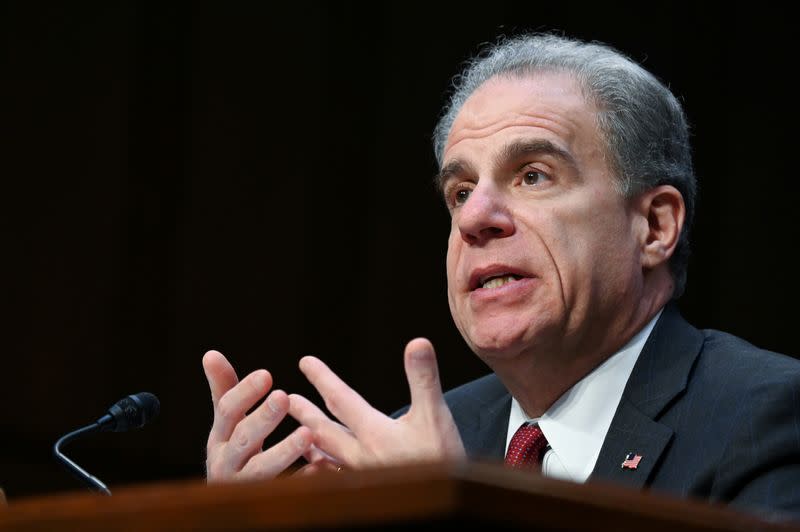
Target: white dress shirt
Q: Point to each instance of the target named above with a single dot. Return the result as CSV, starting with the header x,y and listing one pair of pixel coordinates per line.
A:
x,y
576,424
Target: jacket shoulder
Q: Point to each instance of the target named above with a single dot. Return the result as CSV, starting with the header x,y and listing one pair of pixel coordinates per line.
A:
x,y
742,363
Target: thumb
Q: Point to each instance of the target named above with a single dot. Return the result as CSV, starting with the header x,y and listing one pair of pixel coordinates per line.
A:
x,y
220,375
422,373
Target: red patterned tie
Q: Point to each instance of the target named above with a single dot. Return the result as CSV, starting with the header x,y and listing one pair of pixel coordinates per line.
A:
x,y
527,447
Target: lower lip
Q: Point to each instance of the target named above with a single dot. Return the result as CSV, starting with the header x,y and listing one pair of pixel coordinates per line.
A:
x,y
516,289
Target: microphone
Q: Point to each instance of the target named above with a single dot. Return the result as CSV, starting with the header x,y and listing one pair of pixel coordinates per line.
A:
x,y
131,412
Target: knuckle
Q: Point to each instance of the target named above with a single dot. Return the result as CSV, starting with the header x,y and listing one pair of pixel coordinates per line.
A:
x,y
255,384
299,442
240,438
266,414
332,402
213,471
427,380
227,407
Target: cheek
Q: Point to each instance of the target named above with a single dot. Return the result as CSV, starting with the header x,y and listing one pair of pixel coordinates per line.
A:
x,y
453,253
604,258
584,242
454,249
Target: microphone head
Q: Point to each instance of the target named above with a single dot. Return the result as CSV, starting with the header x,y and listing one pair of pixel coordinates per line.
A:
x,y
131,412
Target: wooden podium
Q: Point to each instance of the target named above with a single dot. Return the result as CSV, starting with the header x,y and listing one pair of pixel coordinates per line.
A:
x,y
471,496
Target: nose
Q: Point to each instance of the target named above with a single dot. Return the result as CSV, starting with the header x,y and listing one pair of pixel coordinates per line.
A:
x,y
485,215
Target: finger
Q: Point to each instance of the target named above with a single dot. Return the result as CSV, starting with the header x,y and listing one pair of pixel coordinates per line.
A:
x,y
341,400
308,469
315,454
316,467
423,375
279,457
233,406
318,460
331,438
248,437
220,375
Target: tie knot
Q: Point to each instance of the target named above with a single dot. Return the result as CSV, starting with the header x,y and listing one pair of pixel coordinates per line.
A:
x,y
527,447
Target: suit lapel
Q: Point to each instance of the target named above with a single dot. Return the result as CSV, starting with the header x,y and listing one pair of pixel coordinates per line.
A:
x,y
493,428
661,374
483,423
631,432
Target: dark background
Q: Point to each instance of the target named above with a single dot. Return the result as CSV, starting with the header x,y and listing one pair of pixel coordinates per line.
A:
x,y
256,178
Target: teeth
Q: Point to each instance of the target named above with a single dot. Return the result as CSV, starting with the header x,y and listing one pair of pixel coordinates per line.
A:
x,y
496,282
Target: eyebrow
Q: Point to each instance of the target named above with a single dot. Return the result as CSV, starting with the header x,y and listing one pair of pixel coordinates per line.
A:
x,y
453,168
509,152
518,149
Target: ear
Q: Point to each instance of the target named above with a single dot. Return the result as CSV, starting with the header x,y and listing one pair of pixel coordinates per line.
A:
x,y
663,210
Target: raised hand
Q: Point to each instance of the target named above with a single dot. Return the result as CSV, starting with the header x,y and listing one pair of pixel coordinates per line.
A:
x,y
365,437
234,449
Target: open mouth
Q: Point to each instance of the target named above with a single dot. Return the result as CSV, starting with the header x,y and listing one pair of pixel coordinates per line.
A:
x,y
498,280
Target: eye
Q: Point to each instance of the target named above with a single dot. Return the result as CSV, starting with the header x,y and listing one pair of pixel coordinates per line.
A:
x,y
534,177
458,194
461,196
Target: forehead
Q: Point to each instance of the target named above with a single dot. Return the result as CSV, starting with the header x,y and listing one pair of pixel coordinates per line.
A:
x,y
552,102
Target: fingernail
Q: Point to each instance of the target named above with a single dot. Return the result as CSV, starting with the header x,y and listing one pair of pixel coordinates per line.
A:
x,y
421,355
272,405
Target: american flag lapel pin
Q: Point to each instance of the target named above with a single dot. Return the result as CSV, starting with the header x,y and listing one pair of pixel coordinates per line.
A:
x,y
631,461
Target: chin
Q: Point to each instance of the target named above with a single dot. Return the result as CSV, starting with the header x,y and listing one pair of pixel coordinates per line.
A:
x,y
497,342
501,339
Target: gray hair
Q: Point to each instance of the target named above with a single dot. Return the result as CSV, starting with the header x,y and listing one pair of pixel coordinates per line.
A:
x,y
642,123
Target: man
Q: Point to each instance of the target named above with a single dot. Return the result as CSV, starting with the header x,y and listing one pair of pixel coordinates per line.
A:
x,y
567,171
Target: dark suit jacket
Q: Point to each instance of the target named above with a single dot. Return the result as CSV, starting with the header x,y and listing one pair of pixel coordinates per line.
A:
x,y
712,416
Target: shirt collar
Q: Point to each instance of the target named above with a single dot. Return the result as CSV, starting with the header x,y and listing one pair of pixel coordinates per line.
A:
x,y
577,423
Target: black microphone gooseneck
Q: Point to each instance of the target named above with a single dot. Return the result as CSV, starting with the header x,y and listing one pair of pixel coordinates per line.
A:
x,y
131,412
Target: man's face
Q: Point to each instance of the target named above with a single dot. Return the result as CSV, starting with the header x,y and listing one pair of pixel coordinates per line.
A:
x,y
542,248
